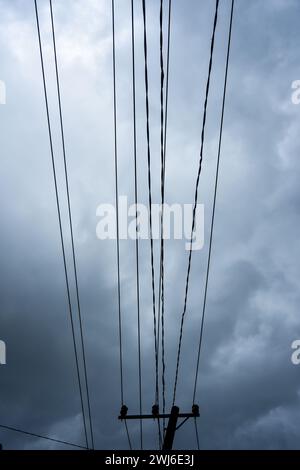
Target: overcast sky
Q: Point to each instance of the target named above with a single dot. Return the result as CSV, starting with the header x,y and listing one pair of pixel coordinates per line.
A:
x,y
248,388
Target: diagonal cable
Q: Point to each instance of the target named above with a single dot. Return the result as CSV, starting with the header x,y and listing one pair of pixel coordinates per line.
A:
x,y
163,172
196,433
214,200
71,225
136,218
117,203
196,197
127,434
150,200
164,164
150,214
161,278
39,436
59,221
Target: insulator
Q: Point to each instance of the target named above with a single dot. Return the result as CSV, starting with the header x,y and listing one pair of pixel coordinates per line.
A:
x,y
155,410
123,411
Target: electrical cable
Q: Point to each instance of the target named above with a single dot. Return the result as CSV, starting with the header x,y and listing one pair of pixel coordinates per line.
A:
x,y
10,428
117,203
196,196
127,433
165,146
197,434
59,220
136,218
150,214
71,224
163,172
150,201
214,200
117,217
161,280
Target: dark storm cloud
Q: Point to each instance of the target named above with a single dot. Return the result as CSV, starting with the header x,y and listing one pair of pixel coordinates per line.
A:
x,y
248,389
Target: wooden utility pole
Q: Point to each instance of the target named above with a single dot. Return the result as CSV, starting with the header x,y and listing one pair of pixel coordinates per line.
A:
x,y
172,423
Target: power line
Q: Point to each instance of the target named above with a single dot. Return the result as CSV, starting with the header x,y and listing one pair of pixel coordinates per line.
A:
x,y
196,196
167,85
161,282
117,201
71,224
59,220
197,434
165,146
128,435
150,213
161,267
161,278
215,199
150,200
117,214
9,428
136,218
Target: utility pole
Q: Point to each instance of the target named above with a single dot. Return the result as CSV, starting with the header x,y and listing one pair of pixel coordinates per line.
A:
x,y
172,423
171,429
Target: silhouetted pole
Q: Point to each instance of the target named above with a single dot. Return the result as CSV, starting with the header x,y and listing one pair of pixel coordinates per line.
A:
x,y
172,423
171,429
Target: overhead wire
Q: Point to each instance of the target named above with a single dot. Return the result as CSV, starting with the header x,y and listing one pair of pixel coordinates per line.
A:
x,y
150,209
60,222
197,433
39,436
117,214
136,218
214,198
117,204
161,317
163,128
128,435
150,198
163,121
161,282
71,224
196,197
164,162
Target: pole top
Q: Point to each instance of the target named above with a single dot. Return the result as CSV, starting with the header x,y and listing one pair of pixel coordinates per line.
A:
x,y
175,409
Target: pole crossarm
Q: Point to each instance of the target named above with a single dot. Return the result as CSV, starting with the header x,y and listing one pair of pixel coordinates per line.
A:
x,y
172,417
163,415
195,414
